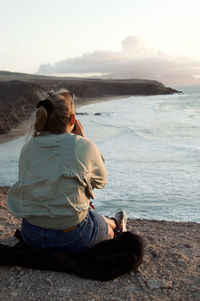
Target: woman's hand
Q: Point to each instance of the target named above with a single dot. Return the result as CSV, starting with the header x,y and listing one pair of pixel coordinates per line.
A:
x,y
78,129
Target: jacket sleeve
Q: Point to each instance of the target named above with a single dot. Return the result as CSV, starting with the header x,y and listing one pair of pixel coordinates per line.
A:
x,y
98,172
94,165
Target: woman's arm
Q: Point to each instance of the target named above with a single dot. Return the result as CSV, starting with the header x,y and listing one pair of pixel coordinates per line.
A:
x,y
91,157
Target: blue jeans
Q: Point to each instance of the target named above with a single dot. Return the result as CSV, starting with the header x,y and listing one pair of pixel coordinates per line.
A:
x,y
92,230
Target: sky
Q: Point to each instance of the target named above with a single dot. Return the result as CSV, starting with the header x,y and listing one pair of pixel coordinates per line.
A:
x,y
151,39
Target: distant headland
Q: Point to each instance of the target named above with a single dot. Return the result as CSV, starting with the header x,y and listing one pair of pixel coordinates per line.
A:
x,y
19,92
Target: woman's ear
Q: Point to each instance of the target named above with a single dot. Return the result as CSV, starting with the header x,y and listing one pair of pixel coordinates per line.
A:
x,y
72,119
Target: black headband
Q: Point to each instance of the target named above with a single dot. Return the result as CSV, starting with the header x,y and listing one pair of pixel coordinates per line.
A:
x,y
47,104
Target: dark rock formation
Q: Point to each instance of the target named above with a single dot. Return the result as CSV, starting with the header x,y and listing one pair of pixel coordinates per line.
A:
x,y
18,92
81,114
93,87
87,88
17,101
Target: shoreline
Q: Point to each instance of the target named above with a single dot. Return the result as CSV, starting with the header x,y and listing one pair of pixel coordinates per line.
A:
x,y
23,127
170,269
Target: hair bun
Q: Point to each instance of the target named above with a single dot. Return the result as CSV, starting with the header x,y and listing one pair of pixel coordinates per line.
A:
x,y
47,104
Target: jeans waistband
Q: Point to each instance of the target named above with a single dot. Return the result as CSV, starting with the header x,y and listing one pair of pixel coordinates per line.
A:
x,y
70,229
76,226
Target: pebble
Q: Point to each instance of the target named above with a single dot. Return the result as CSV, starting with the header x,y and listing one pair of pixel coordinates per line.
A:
x,y
158,283
21,284
63,290
49,281
14,294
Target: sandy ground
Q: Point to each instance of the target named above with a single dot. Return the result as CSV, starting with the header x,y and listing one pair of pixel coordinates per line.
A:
x,y
170,270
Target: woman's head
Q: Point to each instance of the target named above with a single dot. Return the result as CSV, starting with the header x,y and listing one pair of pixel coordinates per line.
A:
x,y
55,114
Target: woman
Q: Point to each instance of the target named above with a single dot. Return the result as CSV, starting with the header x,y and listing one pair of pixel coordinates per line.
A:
x,y
58,170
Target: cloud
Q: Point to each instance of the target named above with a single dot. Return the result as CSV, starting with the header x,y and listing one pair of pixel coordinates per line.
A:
x,y
135,60
134,46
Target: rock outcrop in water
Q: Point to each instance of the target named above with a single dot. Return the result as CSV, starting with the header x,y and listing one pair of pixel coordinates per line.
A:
x,y
19,92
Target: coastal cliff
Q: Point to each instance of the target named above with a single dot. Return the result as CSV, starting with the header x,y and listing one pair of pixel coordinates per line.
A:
x,y
20,92
17,102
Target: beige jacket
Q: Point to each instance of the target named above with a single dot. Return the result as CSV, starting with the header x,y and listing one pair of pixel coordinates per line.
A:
x,y
57,175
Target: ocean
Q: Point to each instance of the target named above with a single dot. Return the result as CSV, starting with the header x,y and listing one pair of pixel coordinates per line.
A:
x,y
151,145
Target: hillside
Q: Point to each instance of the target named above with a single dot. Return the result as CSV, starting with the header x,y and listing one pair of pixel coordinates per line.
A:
x,y
17,101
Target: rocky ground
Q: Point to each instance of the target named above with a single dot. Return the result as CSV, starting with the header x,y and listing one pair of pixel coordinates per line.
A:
x,y
170,270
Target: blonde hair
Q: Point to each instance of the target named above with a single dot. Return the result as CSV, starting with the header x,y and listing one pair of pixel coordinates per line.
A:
x,y
56,121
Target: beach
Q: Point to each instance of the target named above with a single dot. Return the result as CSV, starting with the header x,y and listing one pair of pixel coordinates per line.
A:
x,y
170,269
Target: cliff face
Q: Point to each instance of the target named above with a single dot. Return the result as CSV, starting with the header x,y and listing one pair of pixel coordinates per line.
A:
x,y
93,87
18,92
17,101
